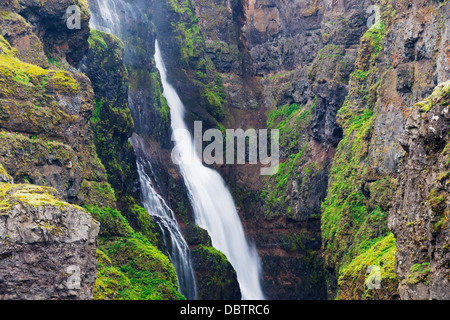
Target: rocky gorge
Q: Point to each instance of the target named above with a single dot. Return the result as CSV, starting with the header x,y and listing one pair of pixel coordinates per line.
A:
x,y
359,91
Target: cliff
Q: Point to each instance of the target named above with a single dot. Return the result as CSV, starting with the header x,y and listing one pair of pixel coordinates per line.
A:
x,y
419,216
357,210
61,235
341,92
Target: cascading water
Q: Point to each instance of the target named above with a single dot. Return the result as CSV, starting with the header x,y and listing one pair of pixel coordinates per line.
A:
x,y
213,204
176,245
106,19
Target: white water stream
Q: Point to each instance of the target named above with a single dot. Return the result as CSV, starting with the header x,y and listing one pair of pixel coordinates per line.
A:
x,y
213,204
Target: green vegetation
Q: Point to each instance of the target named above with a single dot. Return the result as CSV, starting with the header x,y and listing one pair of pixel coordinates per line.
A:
x,y
45,114
380,255
292,122
217,278
419,273
354,227
21,79
111,120
130,267
192,58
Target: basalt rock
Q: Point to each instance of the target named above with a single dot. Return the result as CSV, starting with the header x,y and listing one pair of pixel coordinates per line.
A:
x,y
419,216
51,20
47,247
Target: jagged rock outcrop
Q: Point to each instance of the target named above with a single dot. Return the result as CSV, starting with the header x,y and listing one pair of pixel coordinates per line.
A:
x,y
54,120
47,247
216,278
45,111
419,217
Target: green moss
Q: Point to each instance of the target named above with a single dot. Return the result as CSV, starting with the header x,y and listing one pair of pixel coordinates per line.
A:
x,y
111,283
354,277
23,76
19,82
130,267
97,38
98,193
150,272
419,273
31,195
217,277
440,95
353,221
292,121
191,56
112,223
375,36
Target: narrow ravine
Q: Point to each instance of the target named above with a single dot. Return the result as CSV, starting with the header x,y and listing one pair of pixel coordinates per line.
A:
x,y
106,19
214,207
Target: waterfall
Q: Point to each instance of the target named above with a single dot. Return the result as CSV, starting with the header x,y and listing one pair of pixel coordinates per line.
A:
x,y
176,246
213,204
105,18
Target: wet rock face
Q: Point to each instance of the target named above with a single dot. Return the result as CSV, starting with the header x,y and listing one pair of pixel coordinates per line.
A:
x,y
45,111
50,21
215,276
282,36
47,247
419,217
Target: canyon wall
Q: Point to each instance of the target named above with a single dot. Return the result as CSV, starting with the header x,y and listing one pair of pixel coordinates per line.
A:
x,y
341,94
360,100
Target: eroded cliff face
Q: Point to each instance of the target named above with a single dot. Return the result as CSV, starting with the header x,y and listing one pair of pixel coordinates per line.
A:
x,y
47,247
56,125
340,93
419,216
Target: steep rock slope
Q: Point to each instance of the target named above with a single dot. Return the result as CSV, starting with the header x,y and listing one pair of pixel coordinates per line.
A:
x,y
419,217
340,91
135,24
47,246
397,66
50,137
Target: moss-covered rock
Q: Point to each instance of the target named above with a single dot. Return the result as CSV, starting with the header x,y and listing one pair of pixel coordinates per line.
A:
x,y
184,50
111,121
44,107
216,278
371,275
130,267
51,23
